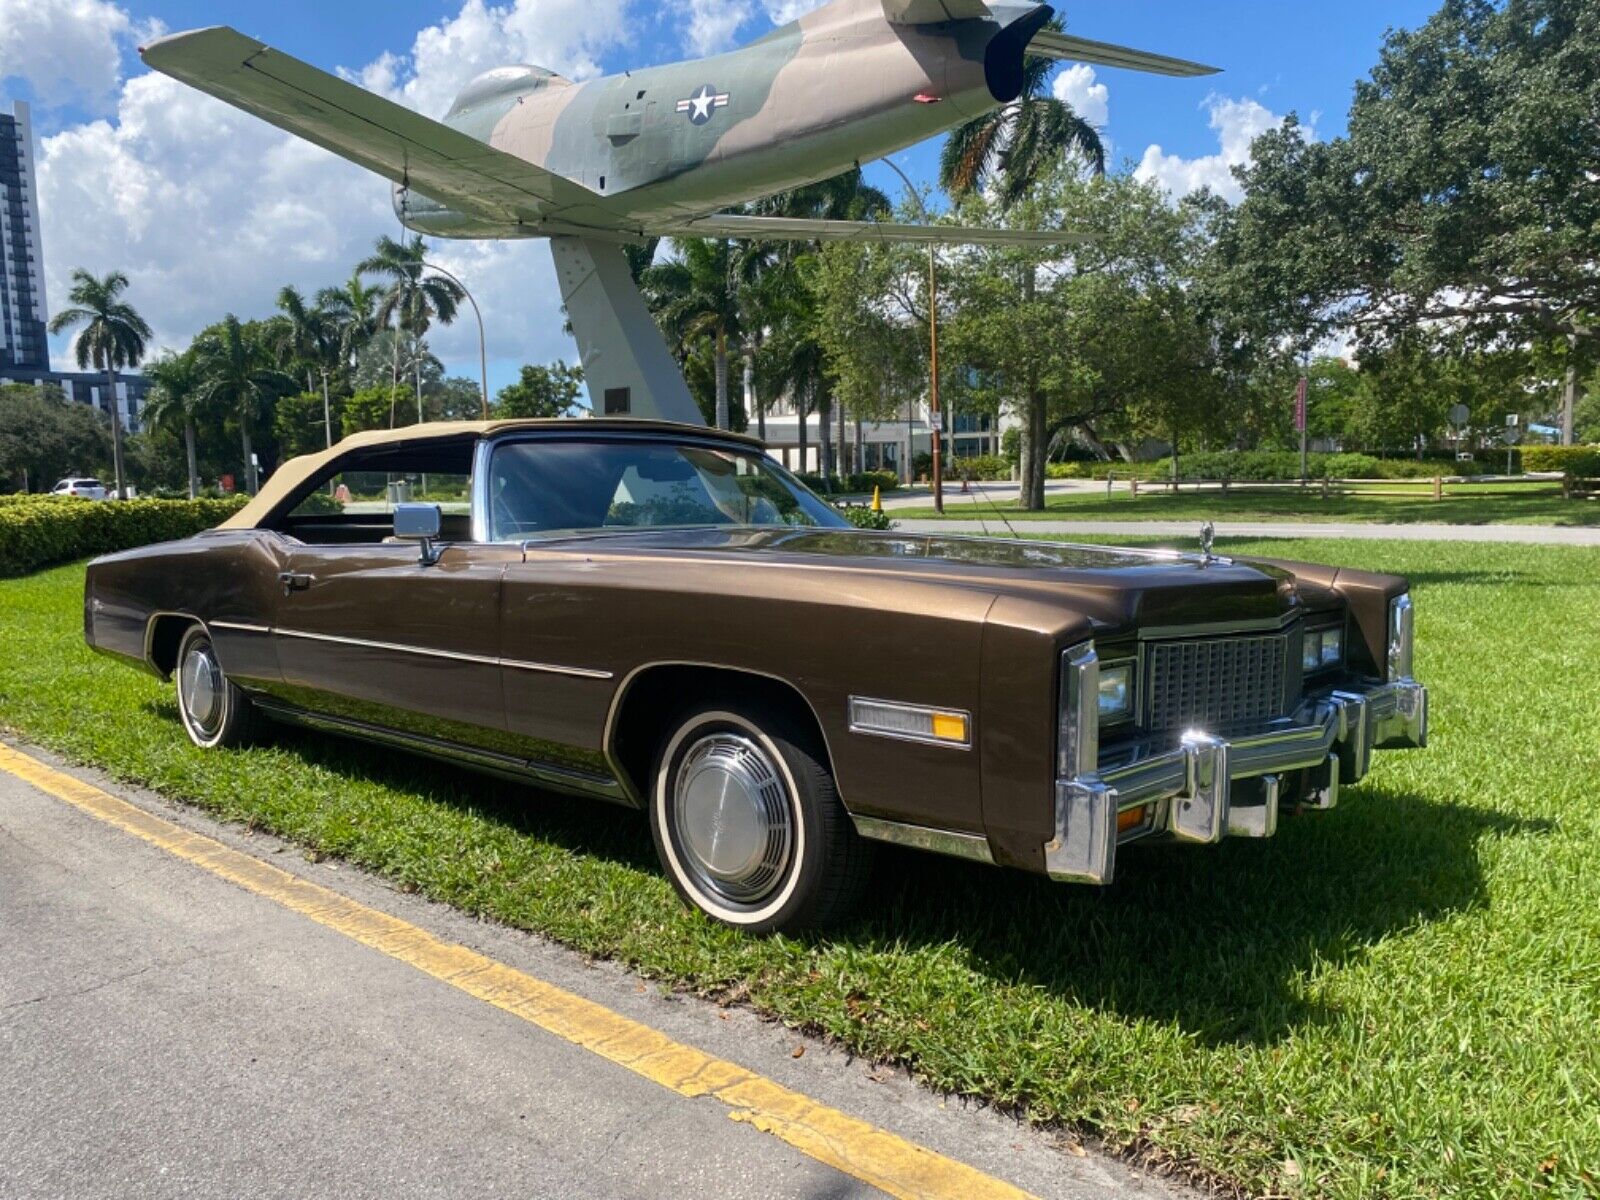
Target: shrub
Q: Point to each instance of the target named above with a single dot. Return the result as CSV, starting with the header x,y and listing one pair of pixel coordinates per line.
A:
x,y
978,466
36,531
863,517
1574,462
862,481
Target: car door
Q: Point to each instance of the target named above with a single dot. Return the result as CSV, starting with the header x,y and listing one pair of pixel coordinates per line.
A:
x,y
370,634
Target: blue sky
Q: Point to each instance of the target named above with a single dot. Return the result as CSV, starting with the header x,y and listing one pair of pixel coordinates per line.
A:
x,y
208,214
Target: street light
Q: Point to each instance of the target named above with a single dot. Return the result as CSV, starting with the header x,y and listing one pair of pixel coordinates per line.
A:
x,y
483,354
933,350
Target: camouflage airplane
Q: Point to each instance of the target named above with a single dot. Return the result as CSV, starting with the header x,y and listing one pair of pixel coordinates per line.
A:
x,y
663,151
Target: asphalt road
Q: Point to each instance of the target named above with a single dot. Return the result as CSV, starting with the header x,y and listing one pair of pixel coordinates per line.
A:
x,y
164,1032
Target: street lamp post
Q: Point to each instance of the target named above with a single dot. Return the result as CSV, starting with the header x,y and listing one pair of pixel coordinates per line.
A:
x,y
483,354
935,422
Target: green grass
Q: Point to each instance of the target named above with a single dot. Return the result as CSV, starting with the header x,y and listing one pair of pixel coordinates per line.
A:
x,y
1466,504
1398,997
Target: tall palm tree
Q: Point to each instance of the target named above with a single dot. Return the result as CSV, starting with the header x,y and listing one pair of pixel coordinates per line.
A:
x,y
412,298
306,335
173,400
351,311
237,375
1011,146
113,337
696,296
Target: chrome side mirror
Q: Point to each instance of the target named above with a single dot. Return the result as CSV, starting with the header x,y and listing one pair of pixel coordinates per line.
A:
x,y
419,523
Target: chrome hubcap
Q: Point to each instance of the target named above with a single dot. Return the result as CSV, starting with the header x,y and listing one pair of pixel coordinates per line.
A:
x,y
732,817
200,683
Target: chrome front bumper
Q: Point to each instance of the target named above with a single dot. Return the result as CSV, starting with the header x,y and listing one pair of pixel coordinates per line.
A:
x,y
1193,791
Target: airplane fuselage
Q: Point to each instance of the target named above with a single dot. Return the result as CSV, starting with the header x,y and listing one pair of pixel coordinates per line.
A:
x,y
839,86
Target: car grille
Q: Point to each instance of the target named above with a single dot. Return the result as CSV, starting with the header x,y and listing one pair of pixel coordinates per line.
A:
x,y
1216,684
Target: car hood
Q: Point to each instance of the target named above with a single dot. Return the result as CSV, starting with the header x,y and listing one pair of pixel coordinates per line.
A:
x,y
1112,585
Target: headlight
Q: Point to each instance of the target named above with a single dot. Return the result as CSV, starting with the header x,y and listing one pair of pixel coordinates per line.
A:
x,y
1116,692
1400,637
1321,649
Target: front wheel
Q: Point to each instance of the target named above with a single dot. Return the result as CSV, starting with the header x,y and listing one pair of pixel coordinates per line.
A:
x,y
748,823
213,709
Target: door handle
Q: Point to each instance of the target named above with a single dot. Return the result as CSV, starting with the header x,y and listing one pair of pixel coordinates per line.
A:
x,y
293,581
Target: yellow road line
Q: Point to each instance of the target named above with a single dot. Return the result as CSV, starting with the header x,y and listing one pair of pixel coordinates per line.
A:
x,y
875,1156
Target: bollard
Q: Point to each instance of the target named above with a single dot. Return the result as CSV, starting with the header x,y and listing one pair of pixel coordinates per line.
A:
x,y
1438,488
1134,482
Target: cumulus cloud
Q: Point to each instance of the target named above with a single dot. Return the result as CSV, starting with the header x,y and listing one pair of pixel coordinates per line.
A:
x,y
1237,123
713,24
1076,86
209,210
781,12
67,50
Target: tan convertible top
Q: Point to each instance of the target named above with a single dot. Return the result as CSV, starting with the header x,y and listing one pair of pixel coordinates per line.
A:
x,y
288,478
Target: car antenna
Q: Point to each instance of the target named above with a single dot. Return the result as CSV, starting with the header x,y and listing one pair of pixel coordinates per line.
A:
x,y
997,512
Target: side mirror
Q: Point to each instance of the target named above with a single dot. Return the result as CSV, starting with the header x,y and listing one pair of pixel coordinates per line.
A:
x,y
419,523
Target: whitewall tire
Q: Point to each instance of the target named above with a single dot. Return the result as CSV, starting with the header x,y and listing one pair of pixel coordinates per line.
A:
x,y
213,710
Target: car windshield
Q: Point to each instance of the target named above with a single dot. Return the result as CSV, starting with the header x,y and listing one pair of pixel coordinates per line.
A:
x,y
549,486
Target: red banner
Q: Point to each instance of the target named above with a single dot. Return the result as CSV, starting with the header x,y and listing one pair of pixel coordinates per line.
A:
x,y
1300,404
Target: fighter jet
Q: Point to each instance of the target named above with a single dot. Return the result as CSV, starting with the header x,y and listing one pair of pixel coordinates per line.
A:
x,y
663,151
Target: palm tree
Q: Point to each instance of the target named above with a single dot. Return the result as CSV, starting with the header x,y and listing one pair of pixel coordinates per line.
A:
x,y
237,375
113,337
1011,146
413,300
306,335
351,313
695,296
173,399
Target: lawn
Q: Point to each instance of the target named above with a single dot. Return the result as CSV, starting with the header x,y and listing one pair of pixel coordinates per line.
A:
x,y
1398,997
1464,504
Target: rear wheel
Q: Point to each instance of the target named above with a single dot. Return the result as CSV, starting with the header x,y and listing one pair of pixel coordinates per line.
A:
x,y
748,822
214,711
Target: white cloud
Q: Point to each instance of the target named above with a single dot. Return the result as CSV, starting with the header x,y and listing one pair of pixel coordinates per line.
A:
x,y
67,50
1237,123
781,12
209,210
713,23
1090,100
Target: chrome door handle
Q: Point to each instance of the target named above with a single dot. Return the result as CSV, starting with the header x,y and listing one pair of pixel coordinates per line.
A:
x,y
293,581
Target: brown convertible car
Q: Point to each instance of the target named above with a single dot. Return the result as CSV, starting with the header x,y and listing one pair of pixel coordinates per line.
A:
x,y
663,617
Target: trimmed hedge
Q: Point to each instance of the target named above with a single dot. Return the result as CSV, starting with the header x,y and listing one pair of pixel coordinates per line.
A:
x,y
36,531
1574,462
863,481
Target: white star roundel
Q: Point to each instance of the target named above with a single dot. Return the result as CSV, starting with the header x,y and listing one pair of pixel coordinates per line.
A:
x,y
705,101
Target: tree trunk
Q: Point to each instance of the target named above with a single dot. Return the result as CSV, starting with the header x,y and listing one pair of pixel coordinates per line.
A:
x,y
722,381
394,377
1035,448
116,433
327,412
418,377
188,449
800,412
249,454
844,467
751,404
1569,394
825,436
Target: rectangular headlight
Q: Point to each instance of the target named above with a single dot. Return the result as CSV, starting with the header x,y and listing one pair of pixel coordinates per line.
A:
x,y
1115,692
1400,637
1311,650
1321,649
1332,647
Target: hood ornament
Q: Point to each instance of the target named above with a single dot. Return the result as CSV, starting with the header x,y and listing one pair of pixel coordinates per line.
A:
x,y
1208,534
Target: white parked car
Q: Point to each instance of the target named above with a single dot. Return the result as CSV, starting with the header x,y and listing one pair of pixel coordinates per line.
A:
x,y
89,489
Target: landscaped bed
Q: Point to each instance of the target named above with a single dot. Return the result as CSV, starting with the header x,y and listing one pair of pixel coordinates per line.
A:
x,y
1397,997
1463,504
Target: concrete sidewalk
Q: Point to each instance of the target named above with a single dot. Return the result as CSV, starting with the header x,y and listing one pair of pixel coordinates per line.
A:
x,y
1189,531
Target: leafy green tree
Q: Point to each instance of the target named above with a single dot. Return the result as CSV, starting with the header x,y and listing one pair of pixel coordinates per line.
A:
x,y
541,391
454,398
237,375
351,312
1463,196
44,436
297,420
695,296
368,408
413,298
174,402
113,338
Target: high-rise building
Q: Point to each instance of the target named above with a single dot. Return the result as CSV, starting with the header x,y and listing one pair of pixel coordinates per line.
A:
x,y
22,303
24,350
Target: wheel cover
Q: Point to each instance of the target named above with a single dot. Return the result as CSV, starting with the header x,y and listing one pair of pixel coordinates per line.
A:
x,y
732,817
200,685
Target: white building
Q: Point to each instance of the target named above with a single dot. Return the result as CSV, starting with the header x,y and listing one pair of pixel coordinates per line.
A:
x,y
874,445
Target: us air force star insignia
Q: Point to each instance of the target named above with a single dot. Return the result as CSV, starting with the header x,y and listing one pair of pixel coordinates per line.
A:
x,y
703,103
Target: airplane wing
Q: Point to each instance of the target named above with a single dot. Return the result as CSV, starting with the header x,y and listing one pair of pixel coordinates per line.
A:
x,y
1047,43
382,136
802,229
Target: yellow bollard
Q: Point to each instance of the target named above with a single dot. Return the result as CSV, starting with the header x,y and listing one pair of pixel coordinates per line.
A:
x,y
877,499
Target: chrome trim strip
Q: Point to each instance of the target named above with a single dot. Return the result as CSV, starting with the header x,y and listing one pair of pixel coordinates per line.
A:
x,y
1248,625
457,656
241,626
970,846
898,736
